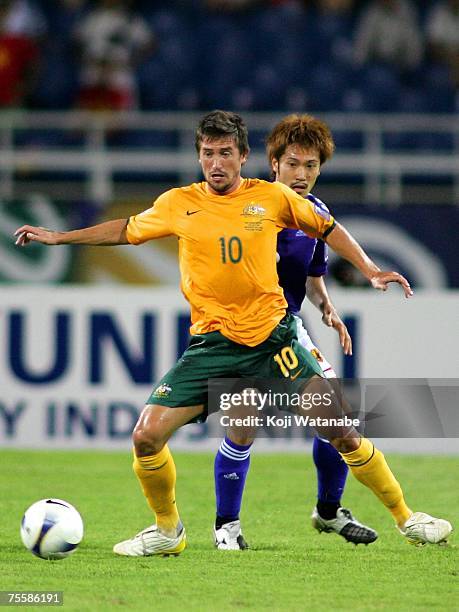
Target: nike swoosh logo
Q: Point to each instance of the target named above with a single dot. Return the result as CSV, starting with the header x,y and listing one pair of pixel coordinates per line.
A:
x,y
192,212
297,374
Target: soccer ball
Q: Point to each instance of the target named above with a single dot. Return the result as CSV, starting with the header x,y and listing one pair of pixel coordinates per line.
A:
x,y
51,529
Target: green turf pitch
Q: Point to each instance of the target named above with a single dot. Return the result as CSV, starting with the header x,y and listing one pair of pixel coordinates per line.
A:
x,y
289,566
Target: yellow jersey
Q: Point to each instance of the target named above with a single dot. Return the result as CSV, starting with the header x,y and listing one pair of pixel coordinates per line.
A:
x,y
227,251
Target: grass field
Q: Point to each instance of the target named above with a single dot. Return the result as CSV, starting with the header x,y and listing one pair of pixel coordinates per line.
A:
x,y
289,566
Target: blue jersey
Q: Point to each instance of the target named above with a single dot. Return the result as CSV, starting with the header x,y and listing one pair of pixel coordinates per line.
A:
x,y
300,256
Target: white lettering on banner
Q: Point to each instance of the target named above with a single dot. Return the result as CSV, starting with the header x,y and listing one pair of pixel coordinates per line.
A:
x,y
77,364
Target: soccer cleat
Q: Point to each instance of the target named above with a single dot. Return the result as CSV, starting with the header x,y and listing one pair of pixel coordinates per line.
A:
x,y
151,541
421,528
229,537
344,525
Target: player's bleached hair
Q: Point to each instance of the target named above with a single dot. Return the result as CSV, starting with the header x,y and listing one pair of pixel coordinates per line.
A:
x,y
303,130
218,124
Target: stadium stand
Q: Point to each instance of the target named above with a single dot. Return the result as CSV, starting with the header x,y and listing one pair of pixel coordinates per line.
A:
x,y
206,57
270,57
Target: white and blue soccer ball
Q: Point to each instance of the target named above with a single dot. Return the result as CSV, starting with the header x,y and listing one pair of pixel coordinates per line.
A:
x,y
51,529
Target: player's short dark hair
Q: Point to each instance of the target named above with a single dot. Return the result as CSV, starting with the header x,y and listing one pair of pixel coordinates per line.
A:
x,y
218,124
303,130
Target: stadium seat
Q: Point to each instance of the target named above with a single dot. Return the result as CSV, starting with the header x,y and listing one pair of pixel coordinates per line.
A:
x,y
436,142
143,139
166,23
440,92
380,89
352,100
296,99
413,100
243,98
227,64
164,78
189,98
334,33
326,86
48,138
57,85
269,88
158,86
348,140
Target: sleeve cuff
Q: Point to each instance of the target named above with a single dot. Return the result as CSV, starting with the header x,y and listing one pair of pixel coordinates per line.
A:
x,y
329,230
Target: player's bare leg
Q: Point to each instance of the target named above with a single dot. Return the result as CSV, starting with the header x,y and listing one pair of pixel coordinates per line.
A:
x,y
154,467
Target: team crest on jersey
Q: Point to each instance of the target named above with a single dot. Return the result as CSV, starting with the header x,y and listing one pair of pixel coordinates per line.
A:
x,y
254,215
253,210
162,391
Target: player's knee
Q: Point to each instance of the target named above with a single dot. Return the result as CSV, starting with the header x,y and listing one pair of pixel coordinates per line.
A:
x,y
240,437
147,441
345,445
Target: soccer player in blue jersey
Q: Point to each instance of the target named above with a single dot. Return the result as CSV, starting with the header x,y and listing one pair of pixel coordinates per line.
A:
x,y
296,148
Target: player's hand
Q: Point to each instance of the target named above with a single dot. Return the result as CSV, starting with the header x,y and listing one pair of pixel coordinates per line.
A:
x,y
331,319
28,233
382,279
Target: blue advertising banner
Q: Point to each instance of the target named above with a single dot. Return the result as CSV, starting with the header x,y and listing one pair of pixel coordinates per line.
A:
x,y
418,241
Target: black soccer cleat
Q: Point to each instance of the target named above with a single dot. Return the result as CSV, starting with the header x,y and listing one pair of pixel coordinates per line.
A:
x,y
344,525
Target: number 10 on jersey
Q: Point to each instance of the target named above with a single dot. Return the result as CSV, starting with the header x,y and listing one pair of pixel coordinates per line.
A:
x,y
230,249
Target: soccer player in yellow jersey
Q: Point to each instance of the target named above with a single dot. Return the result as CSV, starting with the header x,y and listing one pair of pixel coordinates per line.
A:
x,y
227,228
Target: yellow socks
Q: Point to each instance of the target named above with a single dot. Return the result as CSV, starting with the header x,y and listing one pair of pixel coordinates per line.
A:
x,y
157,476
369,466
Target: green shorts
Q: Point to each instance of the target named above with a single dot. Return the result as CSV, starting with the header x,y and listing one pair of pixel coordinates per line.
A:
x,y
214,356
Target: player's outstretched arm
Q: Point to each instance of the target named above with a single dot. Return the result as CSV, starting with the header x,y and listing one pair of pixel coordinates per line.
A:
x,y
317,293
341,241
104,234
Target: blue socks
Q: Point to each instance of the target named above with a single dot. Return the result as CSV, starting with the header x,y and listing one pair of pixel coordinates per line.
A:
x,y
331,477
230,470
232,463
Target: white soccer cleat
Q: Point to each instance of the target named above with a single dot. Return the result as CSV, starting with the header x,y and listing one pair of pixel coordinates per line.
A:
x,y
229,537
151,541
421,528
344,525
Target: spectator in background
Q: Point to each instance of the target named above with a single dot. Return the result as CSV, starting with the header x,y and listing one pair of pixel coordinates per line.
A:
x,y
112,41
21,31
388,32
442,27
334,21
